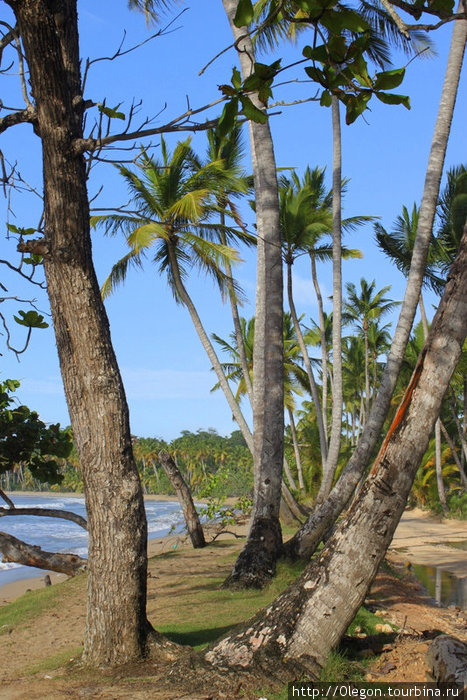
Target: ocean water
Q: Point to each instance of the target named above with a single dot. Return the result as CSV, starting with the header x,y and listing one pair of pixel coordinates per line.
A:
x,y
57,535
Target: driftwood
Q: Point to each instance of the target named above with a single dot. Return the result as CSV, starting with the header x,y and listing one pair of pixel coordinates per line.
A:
x,y
14,550
447,659
192,521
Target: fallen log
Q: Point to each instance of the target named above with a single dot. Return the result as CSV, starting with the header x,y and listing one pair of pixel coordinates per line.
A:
x,y
19,552
447,659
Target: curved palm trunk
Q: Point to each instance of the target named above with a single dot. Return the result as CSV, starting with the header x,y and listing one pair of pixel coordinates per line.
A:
x,y
298,630
207,345
116,626
236,322
307,538
256,563
337,389
194,527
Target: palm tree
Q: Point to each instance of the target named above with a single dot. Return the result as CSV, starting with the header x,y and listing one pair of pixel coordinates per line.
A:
x,y
452,213
306,217
295,378
256,563
228,150
361,308
175,200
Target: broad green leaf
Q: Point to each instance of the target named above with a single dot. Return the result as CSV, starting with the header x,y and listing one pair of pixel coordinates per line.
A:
x,y
326,99
315,74
344,20
251,112
228,117
319,53
391,99
31,319
236,79
244,14
389,79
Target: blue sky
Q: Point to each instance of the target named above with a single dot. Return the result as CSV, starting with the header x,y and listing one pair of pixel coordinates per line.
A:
x,y
166,373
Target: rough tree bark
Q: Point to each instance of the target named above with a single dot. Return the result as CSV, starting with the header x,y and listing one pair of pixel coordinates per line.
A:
x,y
20,552
305,541
299,629
116,627
256,563
193,524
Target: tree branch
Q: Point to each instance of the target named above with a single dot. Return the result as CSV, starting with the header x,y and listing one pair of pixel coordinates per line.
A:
x,y
46,513
14,550
27,115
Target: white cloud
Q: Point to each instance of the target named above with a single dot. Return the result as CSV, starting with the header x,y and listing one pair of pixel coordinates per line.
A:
x,y
304,292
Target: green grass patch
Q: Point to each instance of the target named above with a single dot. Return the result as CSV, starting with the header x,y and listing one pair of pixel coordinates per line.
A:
x,y
51,663
364,622
212,611
339,668
32,604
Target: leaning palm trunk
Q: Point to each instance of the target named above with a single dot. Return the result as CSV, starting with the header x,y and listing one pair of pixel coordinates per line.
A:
x,y
193,525
309,536
256,562
295,634
207,345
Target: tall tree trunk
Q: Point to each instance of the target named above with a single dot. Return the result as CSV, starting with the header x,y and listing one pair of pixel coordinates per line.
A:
x,y
296,448
337,390
439,468
324,349
190,514
298,630
309,536
116,625
256,563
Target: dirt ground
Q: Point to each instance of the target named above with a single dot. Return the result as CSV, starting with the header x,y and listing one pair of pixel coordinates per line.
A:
x,y
399,598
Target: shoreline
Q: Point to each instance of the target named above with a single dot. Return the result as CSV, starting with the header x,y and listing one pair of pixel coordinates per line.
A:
x,y
9,592
156,545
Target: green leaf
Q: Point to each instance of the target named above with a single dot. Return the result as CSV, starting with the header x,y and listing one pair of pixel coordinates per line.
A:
x,y
244,14
251,112
344,20
391,99
236,79
228,117
326,99
389,79
315,74
21,231
31,319
319,53
110,112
